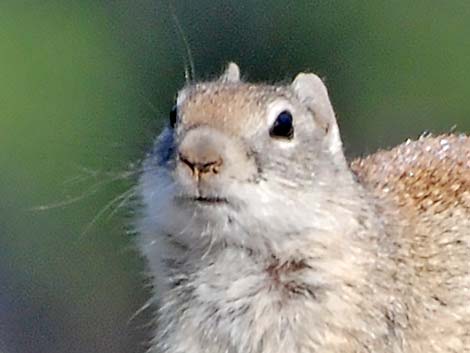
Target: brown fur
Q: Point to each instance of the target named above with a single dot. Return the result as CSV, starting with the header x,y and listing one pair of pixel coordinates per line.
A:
x,y
214,104
429,182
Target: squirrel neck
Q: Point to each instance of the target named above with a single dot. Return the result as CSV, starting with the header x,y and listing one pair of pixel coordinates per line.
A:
x,y
323,281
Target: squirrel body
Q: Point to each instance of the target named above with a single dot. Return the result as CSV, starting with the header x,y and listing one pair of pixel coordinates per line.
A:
x,y
261,238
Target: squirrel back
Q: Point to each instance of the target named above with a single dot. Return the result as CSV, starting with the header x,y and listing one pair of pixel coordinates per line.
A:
x,y
427,182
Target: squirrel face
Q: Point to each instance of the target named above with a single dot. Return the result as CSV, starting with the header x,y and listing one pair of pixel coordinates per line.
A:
x,y
236,154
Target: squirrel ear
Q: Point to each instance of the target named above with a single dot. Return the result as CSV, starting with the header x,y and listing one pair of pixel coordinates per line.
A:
x,y
312,92
231,74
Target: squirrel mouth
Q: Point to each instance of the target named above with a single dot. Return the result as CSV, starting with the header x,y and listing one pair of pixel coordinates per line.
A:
x,y
205,200
210,200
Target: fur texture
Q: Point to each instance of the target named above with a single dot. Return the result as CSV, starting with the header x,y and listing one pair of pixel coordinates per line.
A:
x,y
263,244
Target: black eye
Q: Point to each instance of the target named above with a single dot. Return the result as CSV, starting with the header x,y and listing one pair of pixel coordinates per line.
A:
x,y
283,126
173,116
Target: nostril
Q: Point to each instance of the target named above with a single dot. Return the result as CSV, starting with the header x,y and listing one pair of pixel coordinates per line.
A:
x,y
203,166
186,161
212,166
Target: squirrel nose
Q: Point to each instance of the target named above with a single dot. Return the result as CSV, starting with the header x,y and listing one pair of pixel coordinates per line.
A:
x,y
201,165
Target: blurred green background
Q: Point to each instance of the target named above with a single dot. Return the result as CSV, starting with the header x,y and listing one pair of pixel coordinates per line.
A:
x,y
85,86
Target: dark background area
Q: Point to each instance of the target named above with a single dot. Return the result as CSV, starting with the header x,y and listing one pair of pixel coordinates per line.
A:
x,y
85,86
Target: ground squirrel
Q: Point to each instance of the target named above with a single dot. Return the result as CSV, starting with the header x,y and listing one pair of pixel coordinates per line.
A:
x,y
261,238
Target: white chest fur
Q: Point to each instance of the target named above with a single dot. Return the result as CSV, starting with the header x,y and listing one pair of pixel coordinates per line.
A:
x,y
236,304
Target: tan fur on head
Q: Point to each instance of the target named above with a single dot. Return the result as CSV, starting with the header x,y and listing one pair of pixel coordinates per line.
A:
x,y
207,105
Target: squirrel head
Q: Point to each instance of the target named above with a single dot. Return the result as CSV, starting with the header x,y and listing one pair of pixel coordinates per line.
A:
x,y
237,157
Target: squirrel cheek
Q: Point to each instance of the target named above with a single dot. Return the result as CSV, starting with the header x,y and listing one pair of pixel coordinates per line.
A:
x,y
240,168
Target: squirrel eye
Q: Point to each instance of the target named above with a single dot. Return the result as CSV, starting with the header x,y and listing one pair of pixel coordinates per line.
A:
x,y
283,126
173,116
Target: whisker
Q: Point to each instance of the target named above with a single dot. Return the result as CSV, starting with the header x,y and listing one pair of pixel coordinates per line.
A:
x,y
122,196
123,202
76,179
91,190
189,71
139,311
189,223
63,203
210,246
